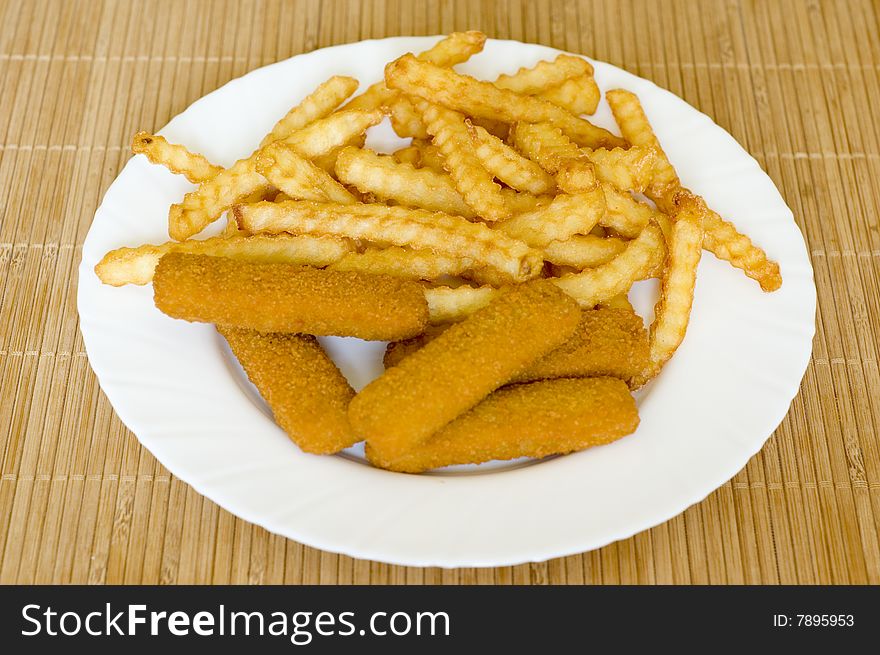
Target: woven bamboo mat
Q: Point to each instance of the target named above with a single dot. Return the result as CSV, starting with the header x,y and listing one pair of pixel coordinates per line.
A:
x,y
80,501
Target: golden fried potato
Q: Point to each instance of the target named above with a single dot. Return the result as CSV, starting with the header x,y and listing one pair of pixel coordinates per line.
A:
x,y
175,157
508,165
323,100
298,177
584,251
565,216
399,226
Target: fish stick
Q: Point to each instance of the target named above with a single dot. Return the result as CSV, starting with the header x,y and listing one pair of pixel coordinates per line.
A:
x,y
288,298
553,417
607,342
308,395
411,401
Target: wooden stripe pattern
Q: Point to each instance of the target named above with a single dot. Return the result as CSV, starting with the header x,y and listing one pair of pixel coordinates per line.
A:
x,y
81,501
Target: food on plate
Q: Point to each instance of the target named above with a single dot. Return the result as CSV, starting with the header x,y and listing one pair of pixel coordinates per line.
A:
x,y
607,342
288,298
450,134
673,310
136,265
561,219
496,249
401,181
407,403
550,417
639,260
414,228
308,395
468,95
720,237
175,157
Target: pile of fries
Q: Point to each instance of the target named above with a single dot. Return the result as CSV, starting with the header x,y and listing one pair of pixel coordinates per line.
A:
x,y
495,251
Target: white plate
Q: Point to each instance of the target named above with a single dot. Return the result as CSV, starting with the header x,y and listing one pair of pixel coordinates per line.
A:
x,y
175,385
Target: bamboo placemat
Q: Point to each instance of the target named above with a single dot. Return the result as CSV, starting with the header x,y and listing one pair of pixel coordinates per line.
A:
x,y
80,501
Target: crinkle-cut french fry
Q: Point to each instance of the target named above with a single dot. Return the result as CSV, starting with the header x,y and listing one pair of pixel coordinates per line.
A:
x,y
639,260
672,312
507,165
336,130
628,170
431,157
201,207
584,251
539,419
449,132
175,157
327,97
544,74
624,214
723,240
408,155
403,262
456,48
452,304
637,130
493,127
299,178
579,95
389,180
544,144
557,154
620,301
405,119
517,202
327,162
720,237
486,276
415,228
136,265
485,100
565,216
396,412
307,393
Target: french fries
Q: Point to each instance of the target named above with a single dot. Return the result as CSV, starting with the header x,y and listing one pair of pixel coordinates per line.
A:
x,y
720,237
403,262
298,177
176,158
450,133
414,228
485,100
137,265
564,217
639,260
401,182
496,250
508,165
318,104
672,313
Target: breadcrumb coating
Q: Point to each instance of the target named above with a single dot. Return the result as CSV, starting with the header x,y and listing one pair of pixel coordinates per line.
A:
x,y
551,417
427,390
288,298
308,395
607,342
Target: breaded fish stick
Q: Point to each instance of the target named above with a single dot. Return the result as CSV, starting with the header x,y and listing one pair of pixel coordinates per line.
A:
x,y
411,401
552,417
288,298
607,342
308,395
